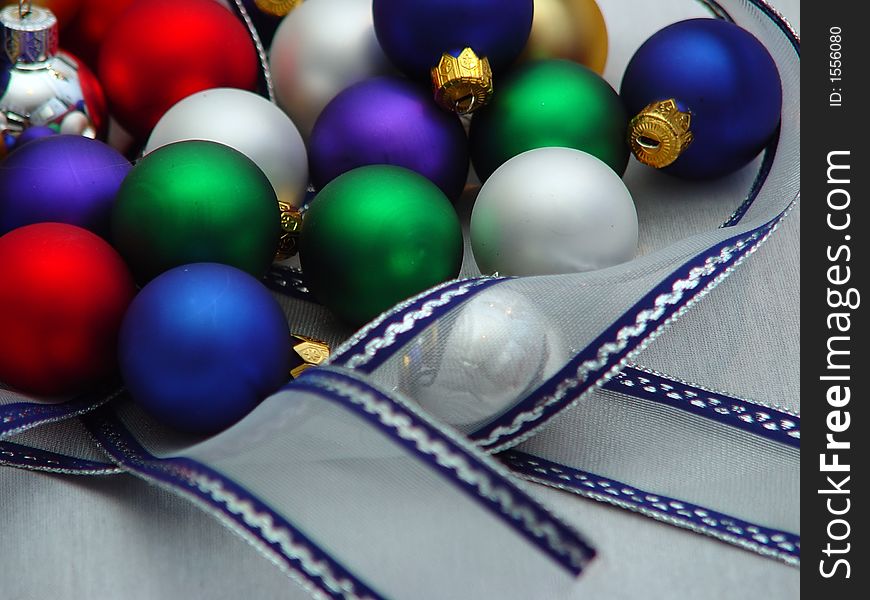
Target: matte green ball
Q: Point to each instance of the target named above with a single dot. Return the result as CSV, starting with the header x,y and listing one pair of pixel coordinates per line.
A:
x,y
196,201
550,103
375,236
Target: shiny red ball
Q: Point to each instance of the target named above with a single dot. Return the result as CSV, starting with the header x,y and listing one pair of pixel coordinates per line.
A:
x,y
161,51
63,294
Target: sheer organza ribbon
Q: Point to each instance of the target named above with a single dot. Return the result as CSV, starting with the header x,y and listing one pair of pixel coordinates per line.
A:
x,y
345,483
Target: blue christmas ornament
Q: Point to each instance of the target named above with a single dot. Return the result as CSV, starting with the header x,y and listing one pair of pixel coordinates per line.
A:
x,y
459,44
706,98
202,345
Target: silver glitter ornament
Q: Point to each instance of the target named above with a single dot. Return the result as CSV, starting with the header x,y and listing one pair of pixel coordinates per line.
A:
x,y
42,85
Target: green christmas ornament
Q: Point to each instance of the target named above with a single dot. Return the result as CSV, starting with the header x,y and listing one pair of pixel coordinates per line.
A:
x,y
550,103
196,201
375,236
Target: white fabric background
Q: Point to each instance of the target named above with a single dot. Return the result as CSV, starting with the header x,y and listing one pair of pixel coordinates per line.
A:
x,y
117,537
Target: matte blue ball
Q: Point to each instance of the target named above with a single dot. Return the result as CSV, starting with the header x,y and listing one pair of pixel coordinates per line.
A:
x,y
390,121
62,179
721,74
415,33
202,345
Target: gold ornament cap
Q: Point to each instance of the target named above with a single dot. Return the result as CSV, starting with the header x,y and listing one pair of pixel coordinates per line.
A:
x,y
291,228
313,352
463,83
29,34
277,8
660,133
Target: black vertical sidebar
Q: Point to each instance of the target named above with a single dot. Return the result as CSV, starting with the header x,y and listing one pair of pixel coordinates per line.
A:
x,y
835,423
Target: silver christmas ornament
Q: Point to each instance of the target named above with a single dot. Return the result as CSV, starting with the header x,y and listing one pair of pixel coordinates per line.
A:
x,y
319,49
471,368
41,84
250,124
553,210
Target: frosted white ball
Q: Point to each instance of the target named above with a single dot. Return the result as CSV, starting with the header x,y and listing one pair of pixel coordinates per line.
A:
x,y
553,210
250,124
321,48
470,369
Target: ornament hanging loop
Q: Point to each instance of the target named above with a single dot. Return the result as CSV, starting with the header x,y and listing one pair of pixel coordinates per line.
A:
x,y
29,34
465,105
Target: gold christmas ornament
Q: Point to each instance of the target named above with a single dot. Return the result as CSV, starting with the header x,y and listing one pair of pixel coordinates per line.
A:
x,y
660,133
569,29
463,83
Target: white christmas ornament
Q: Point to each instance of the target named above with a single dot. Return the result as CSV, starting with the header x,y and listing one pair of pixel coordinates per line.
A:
x,y
469,369
250,124
550,211
321,48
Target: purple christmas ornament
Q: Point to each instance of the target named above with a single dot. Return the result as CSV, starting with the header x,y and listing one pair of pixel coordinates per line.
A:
x,y
30,134
63,179
389,121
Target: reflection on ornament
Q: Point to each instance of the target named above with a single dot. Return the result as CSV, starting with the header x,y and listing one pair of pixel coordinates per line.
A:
x,y
42,85
320,49
551,211
468,369
570,29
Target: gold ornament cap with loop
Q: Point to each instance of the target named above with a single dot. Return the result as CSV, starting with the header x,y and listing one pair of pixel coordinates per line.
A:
x,y
277,8
660,133
29,34
462,83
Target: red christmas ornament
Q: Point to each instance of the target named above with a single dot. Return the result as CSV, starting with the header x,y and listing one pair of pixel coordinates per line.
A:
x,y
94,19
63,294
161,51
